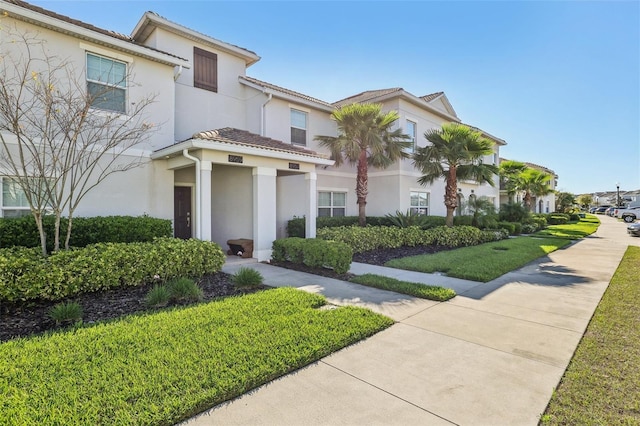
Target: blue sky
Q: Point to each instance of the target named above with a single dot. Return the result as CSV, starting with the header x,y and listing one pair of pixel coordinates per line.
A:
x,y
558,80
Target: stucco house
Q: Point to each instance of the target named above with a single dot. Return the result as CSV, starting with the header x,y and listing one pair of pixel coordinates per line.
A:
x,y
234,156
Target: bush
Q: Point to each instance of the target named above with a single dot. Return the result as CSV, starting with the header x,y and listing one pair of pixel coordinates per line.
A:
x,y
157,297
557,218
462,220
247,278
529,228
314,253
296,226
66,313
510,227
514,212
85,230
540,221
184,290
24,275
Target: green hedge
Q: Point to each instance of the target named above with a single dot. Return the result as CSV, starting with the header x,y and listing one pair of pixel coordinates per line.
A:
x,y
557,218
85,230
313,252
25,275
296,226
377,237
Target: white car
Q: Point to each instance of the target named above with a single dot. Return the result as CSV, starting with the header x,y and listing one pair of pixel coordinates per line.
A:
x,y
629,214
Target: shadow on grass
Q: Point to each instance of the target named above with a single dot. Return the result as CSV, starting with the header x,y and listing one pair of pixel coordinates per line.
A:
x,y
540,272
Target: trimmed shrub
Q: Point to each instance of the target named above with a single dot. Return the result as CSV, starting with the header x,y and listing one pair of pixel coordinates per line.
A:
x,y
489,235
85,230
557,218
510,227
433,222
540,221
463,220
24,275
296,226
313,252
575,217
529,228
513,212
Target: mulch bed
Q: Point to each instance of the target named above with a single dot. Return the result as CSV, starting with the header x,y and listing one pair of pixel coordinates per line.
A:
x,y
31,317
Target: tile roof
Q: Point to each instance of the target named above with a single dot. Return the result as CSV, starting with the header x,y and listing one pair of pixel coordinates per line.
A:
x,y
432,96
287,91
366,96
234,136
67,19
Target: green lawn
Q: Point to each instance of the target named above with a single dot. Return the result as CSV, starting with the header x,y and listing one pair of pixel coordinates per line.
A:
x,y
577,230
422,291
484,262
602,383
160,368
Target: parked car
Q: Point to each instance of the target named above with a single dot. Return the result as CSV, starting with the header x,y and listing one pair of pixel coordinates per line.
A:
x,y
592,210
634,229
629,215
601,209
609,211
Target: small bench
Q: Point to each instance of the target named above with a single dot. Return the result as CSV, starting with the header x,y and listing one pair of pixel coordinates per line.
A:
x,y
242,247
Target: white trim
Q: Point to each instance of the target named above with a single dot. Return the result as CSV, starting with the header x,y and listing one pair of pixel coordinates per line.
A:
x,y
104,52
331,189
68,28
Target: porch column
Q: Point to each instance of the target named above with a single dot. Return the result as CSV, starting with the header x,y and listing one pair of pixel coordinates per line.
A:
x,y
311,204
264,211
205,201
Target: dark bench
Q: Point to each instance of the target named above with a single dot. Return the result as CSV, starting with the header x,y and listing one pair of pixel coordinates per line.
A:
x,y
242,247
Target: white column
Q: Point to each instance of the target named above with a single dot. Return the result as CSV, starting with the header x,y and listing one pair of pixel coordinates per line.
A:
x,y
205,200
311,204
264,212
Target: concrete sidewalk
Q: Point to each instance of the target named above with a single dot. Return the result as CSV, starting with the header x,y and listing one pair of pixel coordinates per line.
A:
x,y
492,355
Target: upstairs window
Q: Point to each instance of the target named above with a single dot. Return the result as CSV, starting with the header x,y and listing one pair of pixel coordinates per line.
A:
x,y
298,127
205,70
332,204
412,129
107,83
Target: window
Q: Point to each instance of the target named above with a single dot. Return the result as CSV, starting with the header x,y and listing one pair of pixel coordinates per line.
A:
x,y
107,83
298,127
205,70
14,201
412,132
332,203
420,202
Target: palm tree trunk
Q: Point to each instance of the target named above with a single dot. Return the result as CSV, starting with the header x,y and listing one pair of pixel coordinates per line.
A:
x,y
362,182
451,195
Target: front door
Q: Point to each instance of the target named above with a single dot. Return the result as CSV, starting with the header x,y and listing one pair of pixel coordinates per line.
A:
x,y
182,211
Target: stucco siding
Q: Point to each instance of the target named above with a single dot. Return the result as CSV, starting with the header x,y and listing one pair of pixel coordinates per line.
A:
x,y
232,203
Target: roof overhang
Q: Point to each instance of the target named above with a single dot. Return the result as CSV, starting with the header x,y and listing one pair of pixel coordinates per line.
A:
x,y
175,150
86,34
286,96
149,21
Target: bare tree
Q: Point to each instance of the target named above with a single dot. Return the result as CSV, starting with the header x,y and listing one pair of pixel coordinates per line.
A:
x,y
59,140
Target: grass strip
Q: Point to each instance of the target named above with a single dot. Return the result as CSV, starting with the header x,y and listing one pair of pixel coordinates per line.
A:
x,y
483,262
573,231
422,291
157,369
602,383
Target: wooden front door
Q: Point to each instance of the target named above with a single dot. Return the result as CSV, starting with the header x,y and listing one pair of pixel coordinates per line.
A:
x,y
182,216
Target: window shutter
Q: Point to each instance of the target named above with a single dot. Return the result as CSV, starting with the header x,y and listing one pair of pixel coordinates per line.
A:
x,y
205,70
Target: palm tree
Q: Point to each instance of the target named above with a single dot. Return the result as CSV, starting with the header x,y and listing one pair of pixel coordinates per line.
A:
x,y
455,153
534,183
365,139
510,170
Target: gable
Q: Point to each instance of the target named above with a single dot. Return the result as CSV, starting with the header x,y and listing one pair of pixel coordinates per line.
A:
x,y
442,103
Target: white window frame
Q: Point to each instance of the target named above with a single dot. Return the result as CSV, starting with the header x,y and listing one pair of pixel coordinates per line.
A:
x,y
332,206
306,123
413,136
421,210
123,86
26,209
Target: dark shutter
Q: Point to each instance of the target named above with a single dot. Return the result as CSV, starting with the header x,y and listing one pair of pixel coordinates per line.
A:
x,y
205,70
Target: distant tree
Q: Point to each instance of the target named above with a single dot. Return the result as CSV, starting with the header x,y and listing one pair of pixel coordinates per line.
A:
x,y
456,153
482,211
366,139
54,143
510,170
564,201
585,200
534,183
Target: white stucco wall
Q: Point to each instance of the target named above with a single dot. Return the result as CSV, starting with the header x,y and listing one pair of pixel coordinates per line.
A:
x,y
232,205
